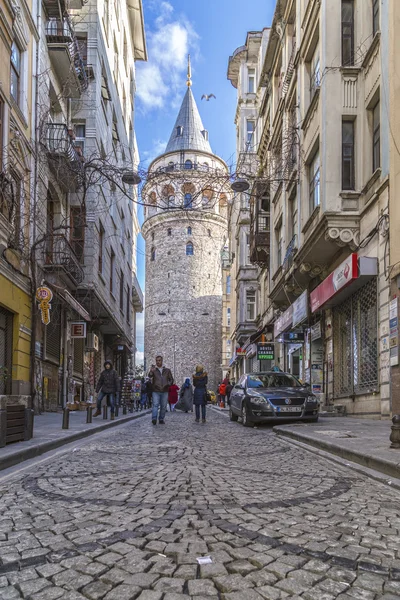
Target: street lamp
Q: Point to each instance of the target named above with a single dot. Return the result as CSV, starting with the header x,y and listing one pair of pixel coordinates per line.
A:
x,y
240,185
131,177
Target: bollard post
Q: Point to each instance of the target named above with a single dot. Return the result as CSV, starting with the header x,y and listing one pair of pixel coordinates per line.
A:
x,y
105,412
124,409
65,421
395,435
89,414
117,410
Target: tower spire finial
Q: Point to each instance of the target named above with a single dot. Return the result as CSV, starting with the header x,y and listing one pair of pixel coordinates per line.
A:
x,y
189,73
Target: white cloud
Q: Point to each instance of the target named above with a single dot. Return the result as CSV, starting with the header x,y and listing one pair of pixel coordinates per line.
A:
x,y
160,80
158,147
139,357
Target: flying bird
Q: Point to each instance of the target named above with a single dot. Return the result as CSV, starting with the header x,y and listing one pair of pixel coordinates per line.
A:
x,y
208,96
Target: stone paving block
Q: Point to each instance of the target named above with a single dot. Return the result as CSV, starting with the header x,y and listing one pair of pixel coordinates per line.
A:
x,y
232,583
109,559
368,581
249,595
202,587
32,586
71,579
120,548
9,593
261,560
166,584
243,567
149,595
270,593
96,590
49,569
318,594
279,569
261,577
50,593
186,572
123,592
24,575
212,570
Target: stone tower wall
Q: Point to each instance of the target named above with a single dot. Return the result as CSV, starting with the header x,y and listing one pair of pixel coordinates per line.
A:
x,y
186,290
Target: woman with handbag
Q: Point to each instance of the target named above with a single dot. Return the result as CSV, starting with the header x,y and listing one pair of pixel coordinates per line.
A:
x,y
200,379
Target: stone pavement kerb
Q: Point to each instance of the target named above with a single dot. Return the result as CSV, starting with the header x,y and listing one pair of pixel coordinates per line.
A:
x,y
49,435
363,441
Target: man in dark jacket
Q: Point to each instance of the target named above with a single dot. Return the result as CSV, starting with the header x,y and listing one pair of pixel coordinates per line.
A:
x,y
108,385
161,380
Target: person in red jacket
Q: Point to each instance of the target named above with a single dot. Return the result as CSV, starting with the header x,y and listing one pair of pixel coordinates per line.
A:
x,y
173,396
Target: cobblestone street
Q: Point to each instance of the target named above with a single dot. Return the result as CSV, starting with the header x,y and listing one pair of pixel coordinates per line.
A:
x,y
125,515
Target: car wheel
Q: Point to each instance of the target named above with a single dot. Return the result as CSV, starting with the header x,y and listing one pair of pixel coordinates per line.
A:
x,y
246,422
232,416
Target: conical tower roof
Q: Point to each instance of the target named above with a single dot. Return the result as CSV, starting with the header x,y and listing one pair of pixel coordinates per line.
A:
x,y
188,132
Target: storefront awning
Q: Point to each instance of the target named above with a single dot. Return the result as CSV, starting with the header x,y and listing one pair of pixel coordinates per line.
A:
x,y
253,338
344,281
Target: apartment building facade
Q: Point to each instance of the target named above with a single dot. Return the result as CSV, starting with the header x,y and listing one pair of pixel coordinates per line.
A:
x,y
322,138
87,227
18,42
242,72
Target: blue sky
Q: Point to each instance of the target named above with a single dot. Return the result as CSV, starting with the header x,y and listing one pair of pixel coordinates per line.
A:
x,y
210,30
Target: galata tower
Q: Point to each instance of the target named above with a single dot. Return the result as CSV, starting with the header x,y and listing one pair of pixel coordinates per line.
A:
x,y
185,201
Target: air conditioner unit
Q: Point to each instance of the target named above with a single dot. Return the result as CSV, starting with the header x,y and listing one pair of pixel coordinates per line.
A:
x,y
92,342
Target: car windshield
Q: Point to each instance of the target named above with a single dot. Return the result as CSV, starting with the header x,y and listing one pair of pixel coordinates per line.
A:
x,y
272,380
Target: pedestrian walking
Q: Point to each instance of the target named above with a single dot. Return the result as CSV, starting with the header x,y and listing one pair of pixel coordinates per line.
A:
x,y
149,390
161,380
200,379
173,396
229,389
143,394
107,385
186,396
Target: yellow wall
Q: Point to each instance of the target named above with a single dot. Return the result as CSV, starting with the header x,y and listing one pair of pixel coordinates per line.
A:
x,y
18,302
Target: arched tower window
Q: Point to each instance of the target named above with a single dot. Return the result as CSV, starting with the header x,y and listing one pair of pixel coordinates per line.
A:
x,y
179,131
188,164
153,254
188,201
189,231
189,249
169,231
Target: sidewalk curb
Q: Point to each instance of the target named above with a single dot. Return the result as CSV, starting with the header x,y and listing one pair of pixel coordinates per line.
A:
x,y
371,462
41,448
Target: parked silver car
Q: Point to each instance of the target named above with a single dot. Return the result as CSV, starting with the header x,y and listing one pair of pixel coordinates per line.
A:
x,y
272,396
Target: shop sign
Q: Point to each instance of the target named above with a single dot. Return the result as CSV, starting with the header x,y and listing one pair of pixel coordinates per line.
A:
x,y
293,337
316,332
394,331
300,306
44,296
266,351
284,321
240,352
337,280
120,348
78,329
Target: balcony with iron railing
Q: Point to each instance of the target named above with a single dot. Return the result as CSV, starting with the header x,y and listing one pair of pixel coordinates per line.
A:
x,y
65,160
66,57
260,239
291,252
60,258
137,294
